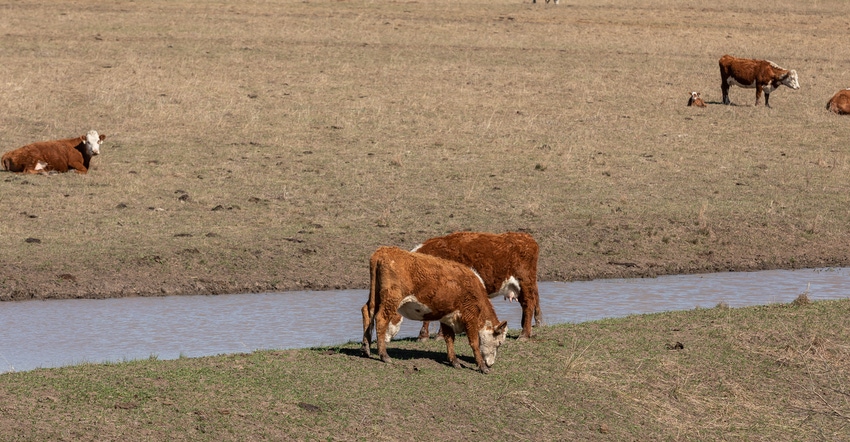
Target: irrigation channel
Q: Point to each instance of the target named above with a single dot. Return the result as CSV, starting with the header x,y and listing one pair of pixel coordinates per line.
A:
x,y
55,333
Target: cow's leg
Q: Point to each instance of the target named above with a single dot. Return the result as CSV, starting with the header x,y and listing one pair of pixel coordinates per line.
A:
x,y
449,335
367,330
766,99
758,93
529,299
424,334
475,343
724,88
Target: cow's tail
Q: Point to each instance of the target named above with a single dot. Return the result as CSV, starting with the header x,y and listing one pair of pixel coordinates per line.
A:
x,y
370,308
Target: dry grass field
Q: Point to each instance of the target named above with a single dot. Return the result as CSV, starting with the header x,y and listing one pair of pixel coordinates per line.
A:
x,y
273,145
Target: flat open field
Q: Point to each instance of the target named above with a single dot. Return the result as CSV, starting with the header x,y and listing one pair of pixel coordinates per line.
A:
x,y
273,145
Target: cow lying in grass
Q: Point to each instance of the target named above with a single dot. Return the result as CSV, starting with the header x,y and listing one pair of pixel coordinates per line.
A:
x,y
507,264
55,156
764,75
840,102
423,287
696,100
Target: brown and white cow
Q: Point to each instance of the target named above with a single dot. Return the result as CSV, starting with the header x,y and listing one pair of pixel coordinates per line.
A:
x,y
423,287
696,100
764,75
55,156
507,263
840,102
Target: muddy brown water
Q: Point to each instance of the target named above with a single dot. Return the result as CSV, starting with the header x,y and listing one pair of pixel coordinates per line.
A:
x,y
56,333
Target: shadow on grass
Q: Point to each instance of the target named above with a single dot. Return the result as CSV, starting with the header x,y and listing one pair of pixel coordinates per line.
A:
x,y
406,354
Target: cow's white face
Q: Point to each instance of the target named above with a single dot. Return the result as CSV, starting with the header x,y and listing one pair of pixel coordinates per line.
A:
x,y
490,339
790,80
93,142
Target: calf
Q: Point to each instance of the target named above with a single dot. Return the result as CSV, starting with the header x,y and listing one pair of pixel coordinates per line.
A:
x,y
696,100
764,75
422,287
840,102
507,264
59,155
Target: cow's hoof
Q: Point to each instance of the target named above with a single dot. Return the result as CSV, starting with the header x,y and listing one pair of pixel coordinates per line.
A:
x,y
484,370
386,359
456,364
364,349
423,338
523,338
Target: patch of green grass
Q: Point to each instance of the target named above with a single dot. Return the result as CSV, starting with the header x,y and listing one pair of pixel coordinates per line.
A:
x,y
775,372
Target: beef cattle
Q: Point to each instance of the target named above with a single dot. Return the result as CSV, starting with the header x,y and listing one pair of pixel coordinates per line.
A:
x,y
507,263
764,75
840,102
423,287
55,156
696,100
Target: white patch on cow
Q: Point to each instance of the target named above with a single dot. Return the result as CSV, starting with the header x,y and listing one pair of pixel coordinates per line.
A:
x,y
411,308
40,165
734,82
510,289
489,342
93,142
453,321
392,330
480,279
413,250
791,80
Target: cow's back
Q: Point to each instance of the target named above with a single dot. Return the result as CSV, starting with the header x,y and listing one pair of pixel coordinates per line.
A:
x,y
840,102
495,257
426,277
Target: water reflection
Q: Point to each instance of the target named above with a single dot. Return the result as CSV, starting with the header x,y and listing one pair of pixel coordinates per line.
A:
x,y
63,332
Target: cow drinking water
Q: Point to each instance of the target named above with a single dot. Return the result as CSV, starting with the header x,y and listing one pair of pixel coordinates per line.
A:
x,y
507,263
763,75
423,287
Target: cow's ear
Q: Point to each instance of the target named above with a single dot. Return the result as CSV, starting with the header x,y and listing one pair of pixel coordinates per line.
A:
x,y
501,328
102,137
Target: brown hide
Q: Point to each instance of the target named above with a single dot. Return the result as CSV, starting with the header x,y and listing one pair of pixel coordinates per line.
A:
x,y
840,102
57,155
751,73
496,257
448,289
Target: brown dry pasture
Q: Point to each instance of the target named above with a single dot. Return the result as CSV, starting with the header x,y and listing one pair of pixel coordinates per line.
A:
x,y
273,145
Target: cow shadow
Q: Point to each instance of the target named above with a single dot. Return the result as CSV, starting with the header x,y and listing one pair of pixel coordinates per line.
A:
x,y
411,354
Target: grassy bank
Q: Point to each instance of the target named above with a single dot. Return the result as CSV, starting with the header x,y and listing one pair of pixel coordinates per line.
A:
x,y
776,372
260,145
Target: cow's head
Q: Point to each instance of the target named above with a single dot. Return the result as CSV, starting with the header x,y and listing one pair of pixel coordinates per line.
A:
x,y
490,339
93,141
790,80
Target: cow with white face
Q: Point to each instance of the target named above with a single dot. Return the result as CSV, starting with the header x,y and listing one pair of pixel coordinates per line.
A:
x,y
426,288
763,75
55,156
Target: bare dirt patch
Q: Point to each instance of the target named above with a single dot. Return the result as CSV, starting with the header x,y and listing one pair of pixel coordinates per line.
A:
x,y
273,146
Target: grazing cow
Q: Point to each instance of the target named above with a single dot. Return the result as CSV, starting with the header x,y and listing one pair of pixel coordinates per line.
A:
x,y
764,75
507,263
423,287
840,102
696,100
59,155
547,1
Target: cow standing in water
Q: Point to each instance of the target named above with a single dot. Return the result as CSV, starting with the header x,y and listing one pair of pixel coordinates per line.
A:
x,y
423,287
507,264
763,75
